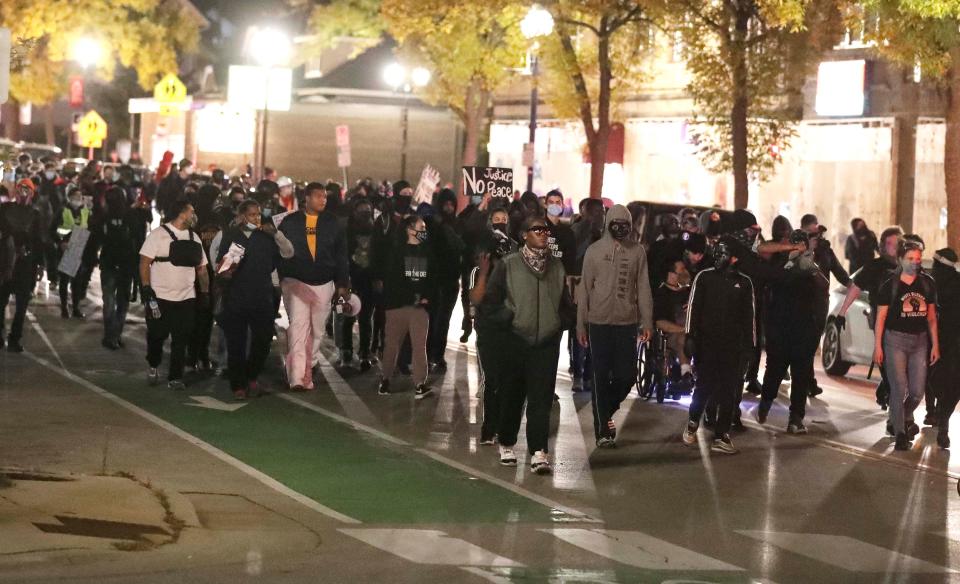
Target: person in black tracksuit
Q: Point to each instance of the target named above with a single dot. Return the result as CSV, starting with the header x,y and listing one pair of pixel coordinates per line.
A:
x,y
796,308
248,310
944,374
720,325
360,234
20,229
472,227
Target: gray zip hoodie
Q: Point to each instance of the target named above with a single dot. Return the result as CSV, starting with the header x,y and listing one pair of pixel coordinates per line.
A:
x,y
614,288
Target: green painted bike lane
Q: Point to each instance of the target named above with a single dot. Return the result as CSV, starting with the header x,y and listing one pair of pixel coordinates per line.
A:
x,y
349,471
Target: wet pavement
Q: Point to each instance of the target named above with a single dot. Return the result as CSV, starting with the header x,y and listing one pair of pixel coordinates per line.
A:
x,y
343,485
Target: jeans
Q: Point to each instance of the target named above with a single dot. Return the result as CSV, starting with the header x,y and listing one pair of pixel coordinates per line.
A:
x,y
613,351
527,374
244,366
905,359
115,286
176,322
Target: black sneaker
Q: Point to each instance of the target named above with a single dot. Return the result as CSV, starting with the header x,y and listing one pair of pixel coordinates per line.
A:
x,y
930,419
753,387
796,427
763,410
815,390
943,439
384,388
465,337
912,429
723,445
365,365
78,314
902,443
423,390
14,346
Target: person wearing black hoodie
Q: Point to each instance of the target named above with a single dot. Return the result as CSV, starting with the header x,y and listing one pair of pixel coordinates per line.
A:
x,y
472,227
360,234
449,247
208,225
408,283
944,374
115,234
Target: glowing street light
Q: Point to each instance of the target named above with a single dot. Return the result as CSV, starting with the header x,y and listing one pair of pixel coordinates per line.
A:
x,y
420,77
269,47
538,22
394,75
86,51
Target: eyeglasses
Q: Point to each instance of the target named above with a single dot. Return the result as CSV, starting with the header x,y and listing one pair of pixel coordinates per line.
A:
x,y
539,230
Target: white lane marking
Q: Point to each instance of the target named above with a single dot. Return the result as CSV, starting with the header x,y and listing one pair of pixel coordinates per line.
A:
x,y
342,419
429,546
640,550
43,336
487,575
210,449
212,403
845,552
349,400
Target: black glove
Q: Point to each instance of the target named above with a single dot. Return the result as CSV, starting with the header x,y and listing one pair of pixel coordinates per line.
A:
x,y
841,322
147,294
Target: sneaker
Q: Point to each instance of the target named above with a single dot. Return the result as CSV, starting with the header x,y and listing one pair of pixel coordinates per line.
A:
x,y
690,433
253,389
753,387
540,463
723,445
902,443
465,337
930,419
204,365
611,429
763,410
488,441
14,346
943,439
796,427
423,390
78,314
153,376
507,456
240,394
912,429
176,385
384,387
814,390
606,442
365,365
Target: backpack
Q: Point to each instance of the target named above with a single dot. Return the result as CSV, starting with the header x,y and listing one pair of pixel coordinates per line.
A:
x,y
115,251
184,253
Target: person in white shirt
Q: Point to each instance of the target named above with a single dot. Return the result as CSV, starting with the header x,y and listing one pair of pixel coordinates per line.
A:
x,y
174,280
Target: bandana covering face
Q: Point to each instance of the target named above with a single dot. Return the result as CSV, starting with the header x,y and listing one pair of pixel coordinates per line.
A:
x,y
535,258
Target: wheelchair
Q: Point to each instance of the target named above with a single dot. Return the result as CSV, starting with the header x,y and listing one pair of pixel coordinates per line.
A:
x,y
659,371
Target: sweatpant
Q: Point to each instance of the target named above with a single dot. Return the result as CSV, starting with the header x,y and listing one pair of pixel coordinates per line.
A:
x,y
527,375
795,350
719,381
613,352
441,309
176,322
905,359
411,320
22,295
490,360
115,286
244,366
307,309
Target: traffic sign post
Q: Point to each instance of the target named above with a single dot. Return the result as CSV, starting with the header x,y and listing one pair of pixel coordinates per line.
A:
x,y
92,131
343,150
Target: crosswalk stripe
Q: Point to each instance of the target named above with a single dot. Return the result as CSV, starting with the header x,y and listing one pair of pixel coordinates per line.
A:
x,y
634,548
430,546
846,552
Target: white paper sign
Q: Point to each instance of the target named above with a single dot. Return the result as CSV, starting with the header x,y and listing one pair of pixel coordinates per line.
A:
x,y
429,179
278,218
233,256
70,263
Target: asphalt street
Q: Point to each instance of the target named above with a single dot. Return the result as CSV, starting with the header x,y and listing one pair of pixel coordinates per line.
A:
x,y
343,485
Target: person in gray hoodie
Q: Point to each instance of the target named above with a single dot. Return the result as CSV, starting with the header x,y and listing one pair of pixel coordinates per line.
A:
x,y
614,313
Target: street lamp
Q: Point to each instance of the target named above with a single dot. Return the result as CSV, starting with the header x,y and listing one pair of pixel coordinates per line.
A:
x,y
269,48
398,78
86,51
537,23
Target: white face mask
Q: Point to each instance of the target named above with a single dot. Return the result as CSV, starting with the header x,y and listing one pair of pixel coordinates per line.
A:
x,y
49,174
250,226
554,210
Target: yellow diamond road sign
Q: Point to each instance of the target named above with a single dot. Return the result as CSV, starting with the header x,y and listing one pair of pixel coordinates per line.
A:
x,y
92,130
170,90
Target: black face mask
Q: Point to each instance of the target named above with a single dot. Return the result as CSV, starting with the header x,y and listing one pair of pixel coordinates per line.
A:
x,y
403,204
721,257
501,227
619,230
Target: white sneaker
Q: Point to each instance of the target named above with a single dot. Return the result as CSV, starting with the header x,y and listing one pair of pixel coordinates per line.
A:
x,y
690,433
540,463
153,376
507,456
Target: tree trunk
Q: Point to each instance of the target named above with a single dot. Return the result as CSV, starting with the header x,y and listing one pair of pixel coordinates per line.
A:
x,y
738,114
11,120
951,151
598,145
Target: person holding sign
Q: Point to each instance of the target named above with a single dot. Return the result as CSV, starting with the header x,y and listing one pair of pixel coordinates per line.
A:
x,y
72,282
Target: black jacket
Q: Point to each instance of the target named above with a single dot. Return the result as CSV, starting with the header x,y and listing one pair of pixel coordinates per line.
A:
x,y
721,313
331,262
250,287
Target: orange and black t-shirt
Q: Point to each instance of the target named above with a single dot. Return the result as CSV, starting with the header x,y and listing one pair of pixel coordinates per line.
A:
x,y
909,304
312,235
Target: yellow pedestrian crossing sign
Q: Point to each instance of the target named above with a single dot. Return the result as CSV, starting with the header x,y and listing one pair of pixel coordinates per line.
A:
x,y
92,130
170,90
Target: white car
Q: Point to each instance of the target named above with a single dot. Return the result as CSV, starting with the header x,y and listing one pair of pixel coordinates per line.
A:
x,y
840,350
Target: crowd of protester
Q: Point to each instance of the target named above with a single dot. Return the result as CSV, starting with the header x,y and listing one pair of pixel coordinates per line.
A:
x,y
213,258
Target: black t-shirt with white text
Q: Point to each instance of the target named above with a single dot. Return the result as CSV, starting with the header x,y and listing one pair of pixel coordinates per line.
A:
x,y
908,304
